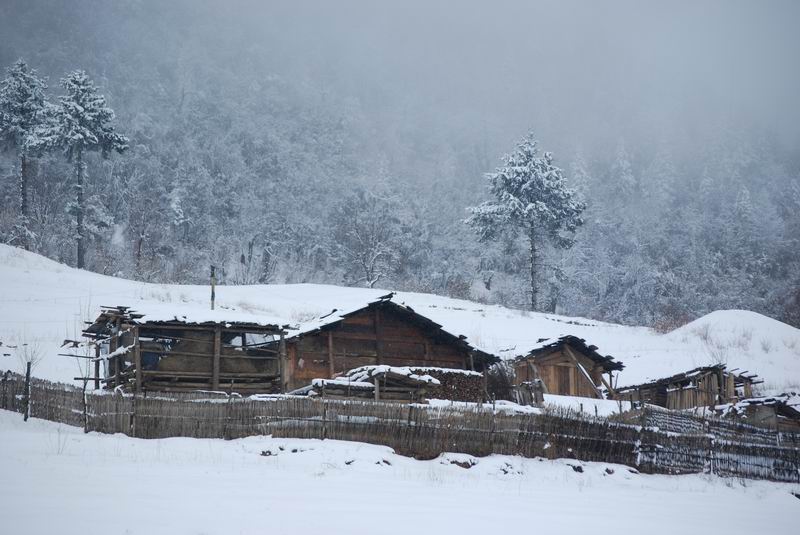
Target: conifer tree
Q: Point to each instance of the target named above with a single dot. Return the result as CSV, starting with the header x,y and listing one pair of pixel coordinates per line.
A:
x,y
530,196
81,123
23,107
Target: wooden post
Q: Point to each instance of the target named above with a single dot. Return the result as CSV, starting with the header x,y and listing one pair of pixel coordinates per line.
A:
x,y
213,285
331,365
137,360
282,362
377,389
27,390
114,345
378,349
97,366
215,363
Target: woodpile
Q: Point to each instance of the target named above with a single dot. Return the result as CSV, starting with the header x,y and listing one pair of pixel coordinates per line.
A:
x,y
403,383
455,385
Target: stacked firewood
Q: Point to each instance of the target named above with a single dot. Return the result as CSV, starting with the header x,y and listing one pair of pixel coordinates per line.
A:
x,y
456,385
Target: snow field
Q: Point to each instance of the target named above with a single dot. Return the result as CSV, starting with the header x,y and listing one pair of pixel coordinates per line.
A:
x,y
60,480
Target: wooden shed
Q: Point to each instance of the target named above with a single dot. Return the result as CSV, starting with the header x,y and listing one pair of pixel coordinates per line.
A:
x,y
179,354
780,412
380,332
568,366
706,386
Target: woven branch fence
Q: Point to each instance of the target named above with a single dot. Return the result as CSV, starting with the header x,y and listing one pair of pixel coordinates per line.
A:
x,y
652,445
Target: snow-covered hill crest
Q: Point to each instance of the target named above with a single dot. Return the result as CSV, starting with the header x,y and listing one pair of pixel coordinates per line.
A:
x,y
43,302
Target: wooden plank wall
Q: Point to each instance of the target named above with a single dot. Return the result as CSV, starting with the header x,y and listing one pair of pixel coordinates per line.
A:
x,y
560,374
372,336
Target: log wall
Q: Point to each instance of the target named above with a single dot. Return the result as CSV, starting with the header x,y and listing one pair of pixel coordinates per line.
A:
x,y
375,335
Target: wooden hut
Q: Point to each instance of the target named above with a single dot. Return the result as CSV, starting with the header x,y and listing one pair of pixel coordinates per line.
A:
x,y
380,332
781,412
706,386
568,366
182,354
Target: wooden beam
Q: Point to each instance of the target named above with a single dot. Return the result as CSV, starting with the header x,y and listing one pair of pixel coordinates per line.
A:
x,y
137,359
331,366
97,367
588,377
282,362
608,385
378,349
215,364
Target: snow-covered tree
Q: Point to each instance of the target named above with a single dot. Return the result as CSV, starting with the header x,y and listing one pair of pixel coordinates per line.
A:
x,y
366,228
530,196
81,123
622,172
23,107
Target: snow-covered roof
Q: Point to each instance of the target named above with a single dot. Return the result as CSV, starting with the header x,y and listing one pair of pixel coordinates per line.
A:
x,y
606,361
789,400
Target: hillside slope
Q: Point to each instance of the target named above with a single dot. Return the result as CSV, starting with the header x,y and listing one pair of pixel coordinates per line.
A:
x,y
43,302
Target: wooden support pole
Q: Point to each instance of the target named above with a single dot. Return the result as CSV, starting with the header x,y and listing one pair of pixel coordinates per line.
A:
x,y
377,389
282,362
97,367
215,363
137,360
378,348
331,365
608,385
27,390
115,343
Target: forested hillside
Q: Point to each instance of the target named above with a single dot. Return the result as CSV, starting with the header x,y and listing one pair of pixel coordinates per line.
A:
x,y
267,144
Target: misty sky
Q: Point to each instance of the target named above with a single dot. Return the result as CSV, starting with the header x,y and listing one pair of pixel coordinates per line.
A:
x,y
579,73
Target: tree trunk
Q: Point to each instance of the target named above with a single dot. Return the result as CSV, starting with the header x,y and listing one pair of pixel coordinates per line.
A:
x,y
80,169
23,200
532,243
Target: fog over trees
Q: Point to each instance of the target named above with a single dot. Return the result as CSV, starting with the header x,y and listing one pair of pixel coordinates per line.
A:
x,y
343,142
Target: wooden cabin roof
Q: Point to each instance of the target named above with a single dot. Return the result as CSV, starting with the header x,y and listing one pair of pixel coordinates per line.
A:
x,y
546,345
336,317
685,378
178,316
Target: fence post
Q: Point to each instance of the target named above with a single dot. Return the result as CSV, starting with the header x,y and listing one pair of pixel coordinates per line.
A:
x,y
85,411
27,390
324,419
132,430
5,389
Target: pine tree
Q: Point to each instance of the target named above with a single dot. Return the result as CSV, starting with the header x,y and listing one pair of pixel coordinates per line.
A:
x,y
622,173
530,196
81,123
23,107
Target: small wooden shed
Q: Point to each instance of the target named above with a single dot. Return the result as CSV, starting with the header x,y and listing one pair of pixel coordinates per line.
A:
x,y
180,354
568,366
377,333
780,412
706,386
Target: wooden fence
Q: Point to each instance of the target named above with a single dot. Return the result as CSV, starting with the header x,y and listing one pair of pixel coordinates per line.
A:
x,y
424,432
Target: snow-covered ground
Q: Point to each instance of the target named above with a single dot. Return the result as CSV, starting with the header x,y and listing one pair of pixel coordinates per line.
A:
x,y
56,479
43,302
